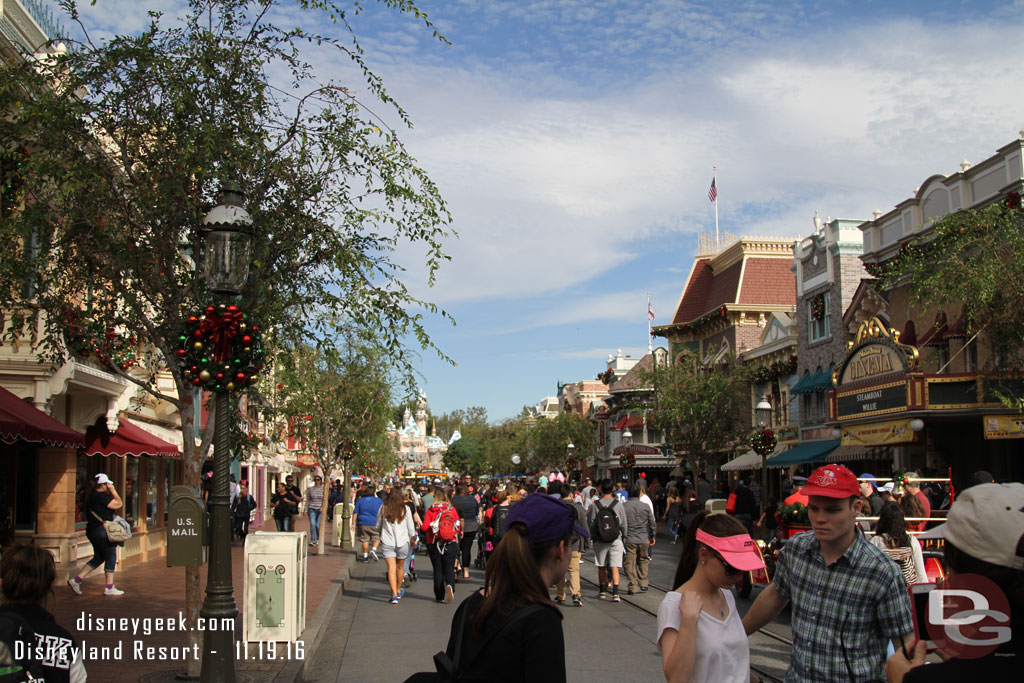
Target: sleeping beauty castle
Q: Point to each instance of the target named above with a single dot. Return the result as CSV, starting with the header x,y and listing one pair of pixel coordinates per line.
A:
x,y
416,450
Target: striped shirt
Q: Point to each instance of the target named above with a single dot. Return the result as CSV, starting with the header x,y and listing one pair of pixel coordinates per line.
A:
x,y
843,613
314,497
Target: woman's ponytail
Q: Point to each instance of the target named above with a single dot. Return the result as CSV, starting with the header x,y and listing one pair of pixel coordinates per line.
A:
x,y
513,574
688,560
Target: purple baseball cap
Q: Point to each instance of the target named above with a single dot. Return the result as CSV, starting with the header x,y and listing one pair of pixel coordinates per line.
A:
x,y
546,518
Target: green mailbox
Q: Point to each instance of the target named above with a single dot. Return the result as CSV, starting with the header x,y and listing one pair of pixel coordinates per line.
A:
x,y
186,528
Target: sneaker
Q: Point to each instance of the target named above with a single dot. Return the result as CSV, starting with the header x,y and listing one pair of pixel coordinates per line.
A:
x,y
603,595
577,601
75,586
401,593
560,601
449,594
113,590
373,554
394,600
364,558
616,598
629,591
643,589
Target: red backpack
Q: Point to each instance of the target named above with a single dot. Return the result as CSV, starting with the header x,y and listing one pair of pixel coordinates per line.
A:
x,y
446,525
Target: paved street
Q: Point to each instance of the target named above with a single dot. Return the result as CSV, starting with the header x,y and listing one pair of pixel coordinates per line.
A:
x,y
369,639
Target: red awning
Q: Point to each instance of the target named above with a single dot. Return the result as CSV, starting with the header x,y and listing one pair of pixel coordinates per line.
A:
x,y
633,421
20,421
129,439
936,334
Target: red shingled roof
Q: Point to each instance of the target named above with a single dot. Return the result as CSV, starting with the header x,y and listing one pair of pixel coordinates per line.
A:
x,y
768,281
765,281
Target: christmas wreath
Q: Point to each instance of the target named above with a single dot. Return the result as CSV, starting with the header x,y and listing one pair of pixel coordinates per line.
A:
x,y
220,351
348,449
818,307
571,462
627,459
763,441
606,377
794,514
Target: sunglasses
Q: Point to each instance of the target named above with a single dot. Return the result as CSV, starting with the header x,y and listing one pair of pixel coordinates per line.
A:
x,y
729,569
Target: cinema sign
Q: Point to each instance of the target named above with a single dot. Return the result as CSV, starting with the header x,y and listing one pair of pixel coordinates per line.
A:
x,y
871,378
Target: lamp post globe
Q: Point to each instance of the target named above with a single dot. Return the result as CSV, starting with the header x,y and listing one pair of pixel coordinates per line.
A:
x,y
516,459
763,410
228,240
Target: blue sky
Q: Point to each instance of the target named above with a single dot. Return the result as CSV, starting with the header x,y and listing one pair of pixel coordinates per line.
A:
x,y
574,142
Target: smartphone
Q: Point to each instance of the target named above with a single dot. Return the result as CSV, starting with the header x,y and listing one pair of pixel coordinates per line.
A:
x,y
919,603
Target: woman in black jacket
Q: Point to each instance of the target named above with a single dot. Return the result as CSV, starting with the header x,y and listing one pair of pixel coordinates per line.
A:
x,y
28,574
469,513
101,502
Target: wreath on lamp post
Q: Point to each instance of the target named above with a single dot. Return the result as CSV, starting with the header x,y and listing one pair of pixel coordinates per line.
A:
x,y
764,442
220,350
627,459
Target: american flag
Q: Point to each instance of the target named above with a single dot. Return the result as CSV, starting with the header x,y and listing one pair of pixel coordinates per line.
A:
x,y
712,193
650,312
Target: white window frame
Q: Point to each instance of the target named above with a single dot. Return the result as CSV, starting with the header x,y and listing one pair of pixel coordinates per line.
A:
x,y
818,330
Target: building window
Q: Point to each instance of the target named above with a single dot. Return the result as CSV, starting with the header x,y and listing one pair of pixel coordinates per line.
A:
x,y
131,490
942,353
818,315
782,410
971,356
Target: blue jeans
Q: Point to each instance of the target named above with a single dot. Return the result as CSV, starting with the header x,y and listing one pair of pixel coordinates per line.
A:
x,y
314,525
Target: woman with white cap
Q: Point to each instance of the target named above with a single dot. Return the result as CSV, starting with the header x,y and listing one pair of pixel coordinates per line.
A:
x,y
100,502
700,632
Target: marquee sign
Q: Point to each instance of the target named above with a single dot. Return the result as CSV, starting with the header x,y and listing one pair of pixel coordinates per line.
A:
x,y
875,354
637,449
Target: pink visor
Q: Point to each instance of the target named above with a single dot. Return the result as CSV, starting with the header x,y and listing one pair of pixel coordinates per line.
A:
x,y
739,551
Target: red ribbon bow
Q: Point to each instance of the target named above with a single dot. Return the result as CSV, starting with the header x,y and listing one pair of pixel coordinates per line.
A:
x,y
221,330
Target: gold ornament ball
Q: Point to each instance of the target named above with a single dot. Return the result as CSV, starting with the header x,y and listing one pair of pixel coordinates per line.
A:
x,y
198,346
241,326
247,349
230,386
204,375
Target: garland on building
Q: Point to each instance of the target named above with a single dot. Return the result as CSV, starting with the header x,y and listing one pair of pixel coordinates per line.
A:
x,y
220,351
764,442
818,307
663,331
606,377
88,337
772,372
627,459
968,223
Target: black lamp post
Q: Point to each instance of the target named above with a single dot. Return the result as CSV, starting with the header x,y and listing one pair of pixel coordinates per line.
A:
x,y
763,411
346,511
228,233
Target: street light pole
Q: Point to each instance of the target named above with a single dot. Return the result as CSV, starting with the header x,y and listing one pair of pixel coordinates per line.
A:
x,y
764,420
228,229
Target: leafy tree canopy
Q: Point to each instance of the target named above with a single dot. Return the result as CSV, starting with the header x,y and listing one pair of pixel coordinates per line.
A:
x,y
702,411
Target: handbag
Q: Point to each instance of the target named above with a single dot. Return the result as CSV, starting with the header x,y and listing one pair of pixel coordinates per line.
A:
x,y
730,504
117,531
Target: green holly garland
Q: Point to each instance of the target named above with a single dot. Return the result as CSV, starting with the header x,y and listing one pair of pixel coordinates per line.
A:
x,y
606,377
87,337
772,372
764,442
220,351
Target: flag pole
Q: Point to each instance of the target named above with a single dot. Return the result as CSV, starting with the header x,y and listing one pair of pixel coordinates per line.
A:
x,y
650,346
714,181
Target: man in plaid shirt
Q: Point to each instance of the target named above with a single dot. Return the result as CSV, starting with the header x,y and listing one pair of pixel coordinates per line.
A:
x,y
848,597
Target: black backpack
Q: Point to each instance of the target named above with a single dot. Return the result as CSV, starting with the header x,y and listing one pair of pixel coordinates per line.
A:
x,y
498,518
15,629
606,522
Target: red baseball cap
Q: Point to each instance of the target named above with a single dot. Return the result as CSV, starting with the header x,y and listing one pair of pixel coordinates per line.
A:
x,y
832,481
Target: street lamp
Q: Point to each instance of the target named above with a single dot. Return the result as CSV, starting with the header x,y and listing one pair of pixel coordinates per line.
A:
x,y
228,236
346,512
763,411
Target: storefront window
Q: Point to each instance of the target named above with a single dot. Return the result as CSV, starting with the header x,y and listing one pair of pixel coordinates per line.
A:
x,y
170,479
131,490
152,483
86,467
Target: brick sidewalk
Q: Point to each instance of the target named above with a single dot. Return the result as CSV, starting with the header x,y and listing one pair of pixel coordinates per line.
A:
x,y
152,589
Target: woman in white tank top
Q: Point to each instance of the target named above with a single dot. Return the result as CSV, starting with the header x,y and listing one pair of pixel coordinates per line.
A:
x,y
700,633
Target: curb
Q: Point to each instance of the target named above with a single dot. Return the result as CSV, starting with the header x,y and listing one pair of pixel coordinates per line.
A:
x,y
313,634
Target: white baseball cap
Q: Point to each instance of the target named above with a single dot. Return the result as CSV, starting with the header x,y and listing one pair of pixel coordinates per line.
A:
x,y
987,523
101,478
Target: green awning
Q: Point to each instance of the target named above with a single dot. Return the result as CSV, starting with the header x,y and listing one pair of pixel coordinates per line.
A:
x,y
813,451
819,381
801,386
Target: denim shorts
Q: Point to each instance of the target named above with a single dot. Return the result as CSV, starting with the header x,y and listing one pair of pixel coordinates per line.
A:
x,y
391,551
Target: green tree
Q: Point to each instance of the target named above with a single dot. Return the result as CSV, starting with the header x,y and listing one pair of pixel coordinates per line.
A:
x,y
470,421
337,399
122,146
973,259
702,411
548,441
465,455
